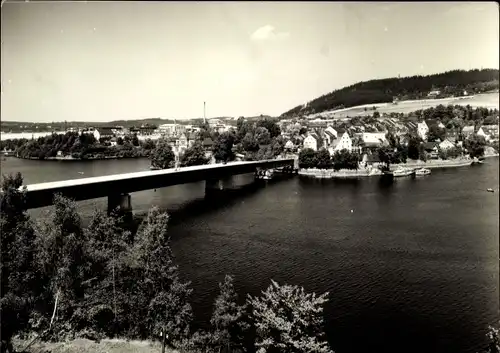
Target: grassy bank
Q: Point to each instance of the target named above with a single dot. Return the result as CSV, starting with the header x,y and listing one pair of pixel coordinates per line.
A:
x,y
88,346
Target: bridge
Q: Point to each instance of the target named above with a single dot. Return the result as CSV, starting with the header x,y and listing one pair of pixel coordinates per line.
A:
x,y
117,188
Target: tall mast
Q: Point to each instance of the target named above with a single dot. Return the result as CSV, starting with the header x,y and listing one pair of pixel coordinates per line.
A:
x,y
204,114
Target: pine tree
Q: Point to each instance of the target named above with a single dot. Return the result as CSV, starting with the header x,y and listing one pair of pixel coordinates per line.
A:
x,y
228,318
289,320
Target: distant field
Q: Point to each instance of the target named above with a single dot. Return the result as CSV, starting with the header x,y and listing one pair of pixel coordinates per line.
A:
x,y
488,100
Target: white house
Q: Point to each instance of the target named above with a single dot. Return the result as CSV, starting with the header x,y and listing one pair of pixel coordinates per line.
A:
x,y
311,142
289,145
422,130
446,145
345,143
481,132
332,131
373,138
468,130
92,131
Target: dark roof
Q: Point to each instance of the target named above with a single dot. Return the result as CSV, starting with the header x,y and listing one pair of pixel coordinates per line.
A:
x,y
208,142
105,131
430,145
329,134
372,144
431,122
372,158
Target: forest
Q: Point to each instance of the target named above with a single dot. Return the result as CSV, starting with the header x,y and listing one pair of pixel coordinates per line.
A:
x,y
404,88
76,146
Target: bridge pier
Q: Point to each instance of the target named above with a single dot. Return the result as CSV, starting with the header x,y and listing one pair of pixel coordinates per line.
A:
x,y
121,201
213,185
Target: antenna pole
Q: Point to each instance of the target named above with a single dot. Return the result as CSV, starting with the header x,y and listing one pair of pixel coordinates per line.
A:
x,y
204,113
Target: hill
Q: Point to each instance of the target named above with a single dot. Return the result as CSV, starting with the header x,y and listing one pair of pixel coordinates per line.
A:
x,y
450,83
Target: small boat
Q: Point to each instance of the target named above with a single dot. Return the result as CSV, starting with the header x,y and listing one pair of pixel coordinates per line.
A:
x,y
401,172
422,171
81,173
268,174
490,190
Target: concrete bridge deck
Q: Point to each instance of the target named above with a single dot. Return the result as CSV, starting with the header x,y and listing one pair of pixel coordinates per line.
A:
x,y
112,186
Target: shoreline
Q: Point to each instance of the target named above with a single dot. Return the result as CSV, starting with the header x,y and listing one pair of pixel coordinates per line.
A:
x,y
344,173
71,159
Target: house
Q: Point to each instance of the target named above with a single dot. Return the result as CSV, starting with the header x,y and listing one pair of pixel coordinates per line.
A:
x,y
289,145
329,137
467,131
491,130
207,144
332,131
480,132
92,131
446,145
373,139
433,93
311,142
371,159
344,143
432,149
106,132
422,130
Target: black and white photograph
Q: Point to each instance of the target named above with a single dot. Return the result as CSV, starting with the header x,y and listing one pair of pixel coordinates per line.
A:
x,y
249,177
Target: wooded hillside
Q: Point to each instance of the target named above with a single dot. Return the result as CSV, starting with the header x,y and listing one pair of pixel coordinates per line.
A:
x,y
451,83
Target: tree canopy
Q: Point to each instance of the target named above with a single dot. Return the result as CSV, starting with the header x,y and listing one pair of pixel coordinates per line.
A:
x,y
162,156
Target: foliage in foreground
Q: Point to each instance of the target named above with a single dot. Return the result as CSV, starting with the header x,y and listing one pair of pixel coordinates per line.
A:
x,y
66,281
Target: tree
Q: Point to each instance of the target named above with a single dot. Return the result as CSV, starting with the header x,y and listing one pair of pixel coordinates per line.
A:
x,y
271,125
308,158
475,145
249,143
61,256
345,160
436,133
277,146
289,320
119,141
20,284
162,156
228,320
168,311
493,340
262,136
135,140
106,246
413,147
223,147
323,159
194,155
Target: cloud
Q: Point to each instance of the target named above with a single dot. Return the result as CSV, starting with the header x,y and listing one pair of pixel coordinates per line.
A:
x,y
268,32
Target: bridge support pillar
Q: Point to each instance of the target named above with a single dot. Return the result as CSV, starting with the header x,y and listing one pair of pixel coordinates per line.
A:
x,y
212,185
123,202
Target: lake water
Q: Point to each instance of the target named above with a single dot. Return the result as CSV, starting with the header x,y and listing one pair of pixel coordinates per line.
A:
x,y
412,268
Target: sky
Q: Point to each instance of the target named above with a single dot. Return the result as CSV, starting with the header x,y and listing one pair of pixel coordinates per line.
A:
x,y
104,61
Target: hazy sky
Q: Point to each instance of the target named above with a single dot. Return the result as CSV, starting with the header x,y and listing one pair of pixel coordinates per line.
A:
x,y
102,61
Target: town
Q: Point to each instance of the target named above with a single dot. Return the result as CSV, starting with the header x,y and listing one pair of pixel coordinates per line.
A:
x,y
441,133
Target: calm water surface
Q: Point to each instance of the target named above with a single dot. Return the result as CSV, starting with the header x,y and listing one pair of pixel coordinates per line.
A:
x,y
413,267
